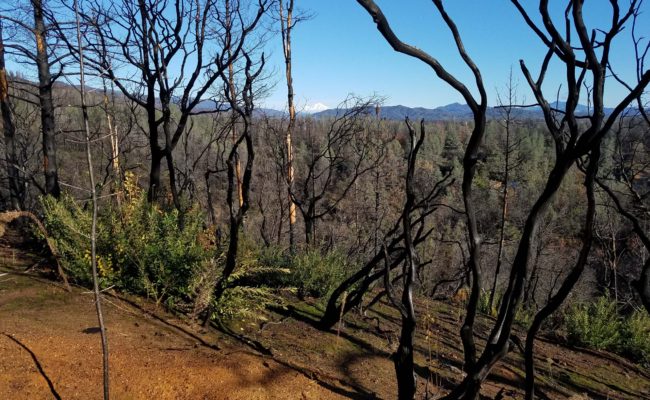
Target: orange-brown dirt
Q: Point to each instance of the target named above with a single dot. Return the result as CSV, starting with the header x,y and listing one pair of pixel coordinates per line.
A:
x,y
50,348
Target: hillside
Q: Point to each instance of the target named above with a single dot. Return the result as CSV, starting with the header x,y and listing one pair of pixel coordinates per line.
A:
x,y
50,349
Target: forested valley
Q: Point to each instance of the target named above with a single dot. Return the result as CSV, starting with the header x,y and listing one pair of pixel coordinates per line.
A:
x,y
500,254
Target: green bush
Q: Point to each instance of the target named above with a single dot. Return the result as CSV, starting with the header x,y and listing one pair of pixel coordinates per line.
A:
x,y
600,327
596,325
68,226
261,272
636,340
484,303
140,247
316,274
524,316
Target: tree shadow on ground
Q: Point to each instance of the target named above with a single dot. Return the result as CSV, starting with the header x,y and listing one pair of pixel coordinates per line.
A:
x,y
312,319
37,363
163,321
356,392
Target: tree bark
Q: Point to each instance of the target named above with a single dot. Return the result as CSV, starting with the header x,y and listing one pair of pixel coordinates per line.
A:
x,y
404,364
16,192
568,284
47,104
286,25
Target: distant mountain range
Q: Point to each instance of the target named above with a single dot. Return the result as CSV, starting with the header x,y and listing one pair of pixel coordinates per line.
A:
x,y
455,112
450,112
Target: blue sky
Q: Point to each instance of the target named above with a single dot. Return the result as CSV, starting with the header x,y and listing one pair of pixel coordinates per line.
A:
x,y
340,51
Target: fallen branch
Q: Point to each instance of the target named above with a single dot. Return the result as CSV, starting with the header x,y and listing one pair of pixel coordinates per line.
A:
x,y
9,216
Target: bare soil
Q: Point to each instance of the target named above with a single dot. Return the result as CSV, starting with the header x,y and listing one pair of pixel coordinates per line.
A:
x,y
50,348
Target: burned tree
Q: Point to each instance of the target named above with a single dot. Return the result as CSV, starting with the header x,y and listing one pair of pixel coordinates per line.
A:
x,y
44,57
572,141
357,285
403,357
244,105
93,193
287,23
508,165
204,38
45,82
333,163
16,188
625,185
556,300
478,108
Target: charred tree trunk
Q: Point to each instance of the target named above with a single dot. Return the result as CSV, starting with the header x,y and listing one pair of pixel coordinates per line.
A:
x,y
155,150
359,283
237,213
166,120
286,25
310,227
46,103
16,196
403,357
568,284
364,277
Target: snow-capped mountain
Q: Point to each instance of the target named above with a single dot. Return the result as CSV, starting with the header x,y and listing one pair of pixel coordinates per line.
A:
x,y
314,108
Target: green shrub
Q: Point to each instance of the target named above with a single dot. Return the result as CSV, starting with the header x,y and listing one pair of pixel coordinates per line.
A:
x,y
316,274
157,258
261,272
600,327
484,303
636,340
596,325
140,247
524,316
68,226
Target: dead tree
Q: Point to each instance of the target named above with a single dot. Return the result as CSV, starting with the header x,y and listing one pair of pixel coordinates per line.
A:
x,y
244,106
44,58
556,300
149,36
403,357
478,108
47,104
642,284
572,141
16,188
288,21
93,192
334,164
625,186
358,284
509,147
111,126
286,25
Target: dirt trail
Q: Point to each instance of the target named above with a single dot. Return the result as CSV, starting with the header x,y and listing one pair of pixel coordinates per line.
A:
x,y
50,348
